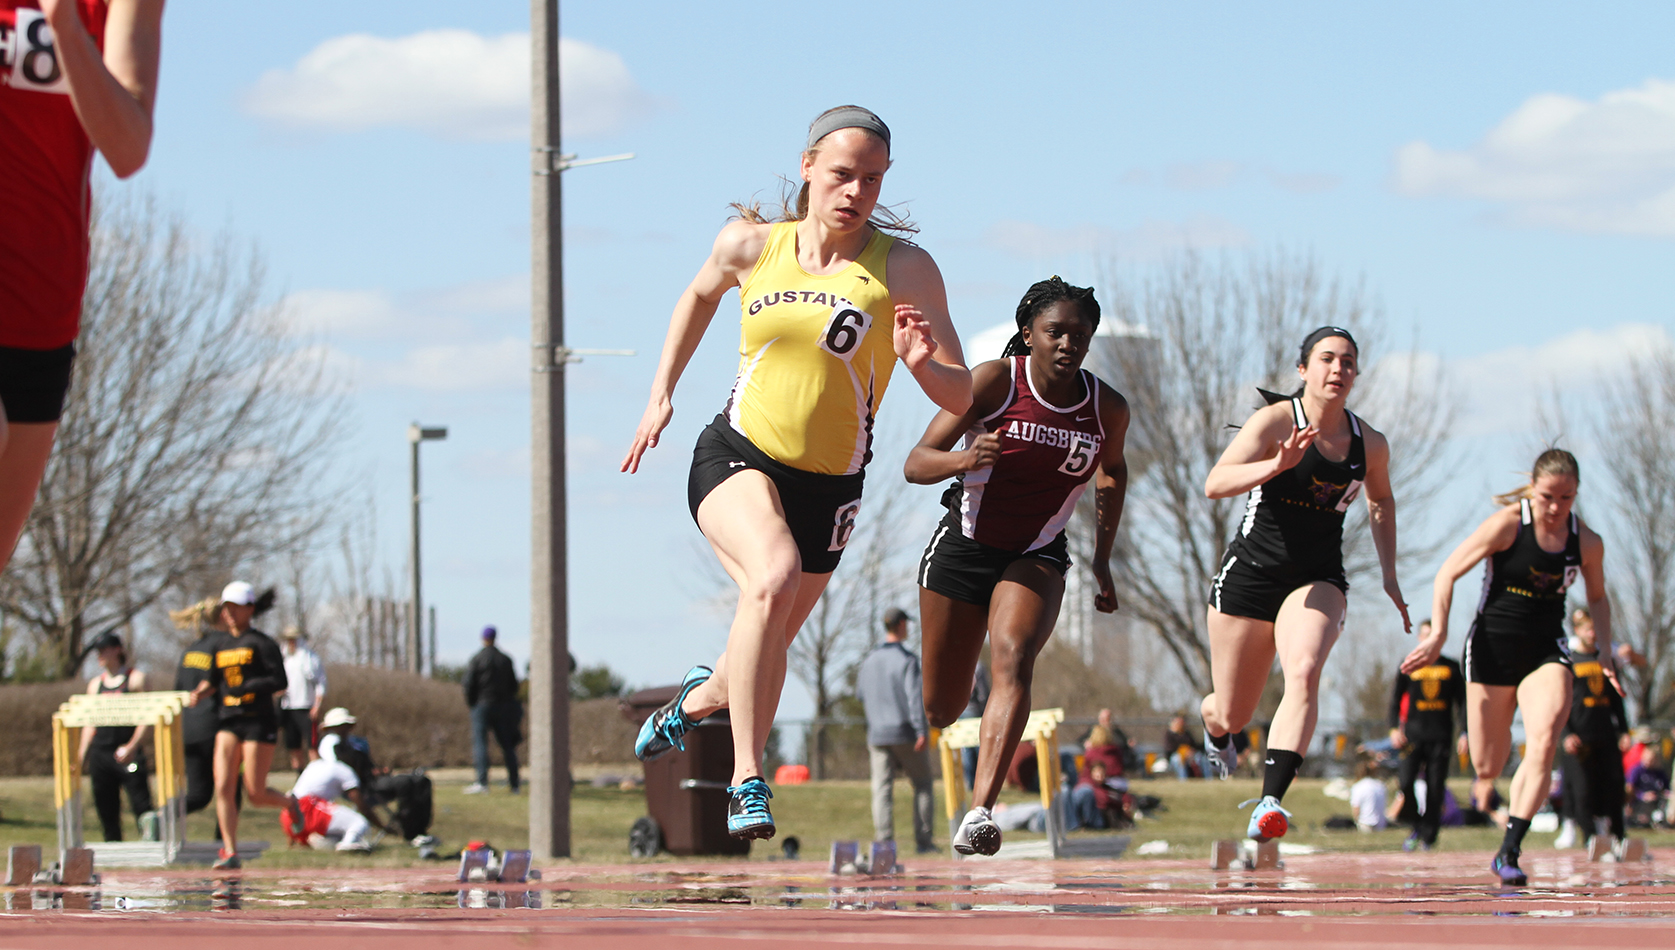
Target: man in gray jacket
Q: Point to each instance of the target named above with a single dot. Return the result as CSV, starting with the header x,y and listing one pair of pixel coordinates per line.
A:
x,y
891,689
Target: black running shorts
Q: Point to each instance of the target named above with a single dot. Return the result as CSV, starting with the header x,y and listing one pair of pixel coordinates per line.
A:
x,y
297,728
820,509
1498,658
253,728
961,569
1242,589
33,382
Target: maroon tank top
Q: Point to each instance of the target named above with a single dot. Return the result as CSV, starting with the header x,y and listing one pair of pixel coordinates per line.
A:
x,y
1047,455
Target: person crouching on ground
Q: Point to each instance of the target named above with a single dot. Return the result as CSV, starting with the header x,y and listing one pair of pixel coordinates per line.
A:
x,y
319,786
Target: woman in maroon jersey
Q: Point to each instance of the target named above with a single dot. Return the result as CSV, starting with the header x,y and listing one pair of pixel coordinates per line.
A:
x,y
76,76
1039,427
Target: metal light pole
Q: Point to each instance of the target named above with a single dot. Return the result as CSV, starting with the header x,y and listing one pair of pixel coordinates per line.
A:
x,y
549,640
415,630
549,635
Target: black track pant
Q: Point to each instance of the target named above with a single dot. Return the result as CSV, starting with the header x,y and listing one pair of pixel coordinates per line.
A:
x,y
1428,760
1593,782
110,777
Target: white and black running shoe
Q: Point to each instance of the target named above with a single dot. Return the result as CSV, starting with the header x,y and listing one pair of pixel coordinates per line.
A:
x,y
978,833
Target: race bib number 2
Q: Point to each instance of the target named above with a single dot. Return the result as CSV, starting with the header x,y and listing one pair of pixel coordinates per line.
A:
x,y
28,55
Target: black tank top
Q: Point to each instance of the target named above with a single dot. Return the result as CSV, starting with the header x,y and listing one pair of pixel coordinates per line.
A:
x,y
1295,519
109,737
1524,586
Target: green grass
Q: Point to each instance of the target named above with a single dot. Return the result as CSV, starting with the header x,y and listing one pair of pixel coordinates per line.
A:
x,y
1195,813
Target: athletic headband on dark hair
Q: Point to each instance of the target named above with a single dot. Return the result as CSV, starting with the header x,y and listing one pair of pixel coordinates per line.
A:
x,y
1321,334
847,117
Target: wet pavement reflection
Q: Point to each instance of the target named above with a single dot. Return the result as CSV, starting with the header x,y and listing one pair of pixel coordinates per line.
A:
x,y
1561,885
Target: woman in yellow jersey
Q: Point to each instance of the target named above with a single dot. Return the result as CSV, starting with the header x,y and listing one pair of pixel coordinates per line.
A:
x,y
829,303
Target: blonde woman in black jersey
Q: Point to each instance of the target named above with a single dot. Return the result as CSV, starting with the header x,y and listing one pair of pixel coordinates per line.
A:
x,y
1515,656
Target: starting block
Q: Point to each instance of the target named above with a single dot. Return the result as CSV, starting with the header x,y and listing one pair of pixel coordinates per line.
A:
x,y
847,858
22,862
1633,851
479,865
1249,855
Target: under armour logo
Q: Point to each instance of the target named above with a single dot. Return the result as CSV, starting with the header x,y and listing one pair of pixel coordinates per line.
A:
x,y
735,465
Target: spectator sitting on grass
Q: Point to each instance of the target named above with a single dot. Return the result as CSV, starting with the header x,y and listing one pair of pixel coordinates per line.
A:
x,y
1185,751
1367,798
1648,784
1096,801
1102,747
319,786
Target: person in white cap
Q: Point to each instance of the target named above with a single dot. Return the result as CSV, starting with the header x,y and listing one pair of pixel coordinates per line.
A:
x,y
316,792
248,669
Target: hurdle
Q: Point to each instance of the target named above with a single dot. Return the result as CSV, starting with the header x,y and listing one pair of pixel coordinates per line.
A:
x,y
162,712
1042,729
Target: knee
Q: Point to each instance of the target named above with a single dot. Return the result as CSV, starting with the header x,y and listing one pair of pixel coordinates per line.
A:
x,y
943,706
1303,675
773,590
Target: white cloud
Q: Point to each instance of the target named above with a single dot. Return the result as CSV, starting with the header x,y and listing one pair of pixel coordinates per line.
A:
x,y
1558,161
341,313
1150,239
451,83
1503,387
1201,176
1303,183
456,367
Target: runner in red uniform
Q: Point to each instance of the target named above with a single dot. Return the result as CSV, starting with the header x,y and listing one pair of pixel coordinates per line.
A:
x,y
76,76
1039,427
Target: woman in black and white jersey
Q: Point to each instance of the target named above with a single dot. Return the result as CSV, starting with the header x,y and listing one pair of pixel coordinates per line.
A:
x,y
1281,589
1516,658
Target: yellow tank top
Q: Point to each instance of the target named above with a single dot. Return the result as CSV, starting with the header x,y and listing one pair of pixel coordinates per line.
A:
x,y
815,355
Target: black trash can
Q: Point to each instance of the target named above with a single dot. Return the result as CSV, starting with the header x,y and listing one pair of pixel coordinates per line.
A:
x,y
686,792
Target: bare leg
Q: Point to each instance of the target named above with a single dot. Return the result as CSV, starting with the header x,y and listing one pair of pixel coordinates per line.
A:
x,y
1308,624
24,450
1241,652
229,756
1489,711
258,759
1022,612
1544,696
745,523
951,634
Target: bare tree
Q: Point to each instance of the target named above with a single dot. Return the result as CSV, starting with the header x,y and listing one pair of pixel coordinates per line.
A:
x,y
1637,424
1200,336
194,439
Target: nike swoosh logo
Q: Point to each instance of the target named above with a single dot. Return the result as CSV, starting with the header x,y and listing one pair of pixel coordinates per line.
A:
x,y
1268,762
1084,418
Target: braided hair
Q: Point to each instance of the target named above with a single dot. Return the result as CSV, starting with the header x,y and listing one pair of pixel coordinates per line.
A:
x,y
1041,295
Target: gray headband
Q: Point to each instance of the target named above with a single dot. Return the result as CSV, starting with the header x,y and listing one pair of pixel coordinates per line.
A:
x,y
848,117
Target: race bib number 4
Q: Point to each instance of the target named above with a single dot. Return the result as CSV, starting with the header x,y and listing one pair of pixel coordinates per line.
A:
x,y
28,56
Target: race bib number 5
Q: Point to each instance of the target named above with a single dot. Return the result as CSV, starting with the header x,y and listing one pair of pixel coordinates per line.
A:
x,y
844,330
28,55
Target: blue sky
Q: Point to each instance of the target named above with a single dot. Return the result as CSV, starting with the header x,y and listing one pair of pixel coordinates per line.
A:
x,y
1502,176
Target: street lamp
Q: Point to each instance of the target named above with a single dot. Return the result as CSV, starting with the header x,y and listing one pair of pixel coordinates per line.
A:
x,y
415,641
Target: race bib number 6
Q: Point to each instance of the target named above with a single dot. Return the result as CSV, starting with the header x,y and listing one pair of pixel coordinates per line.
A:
x,y
843,524
29,55
843,333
